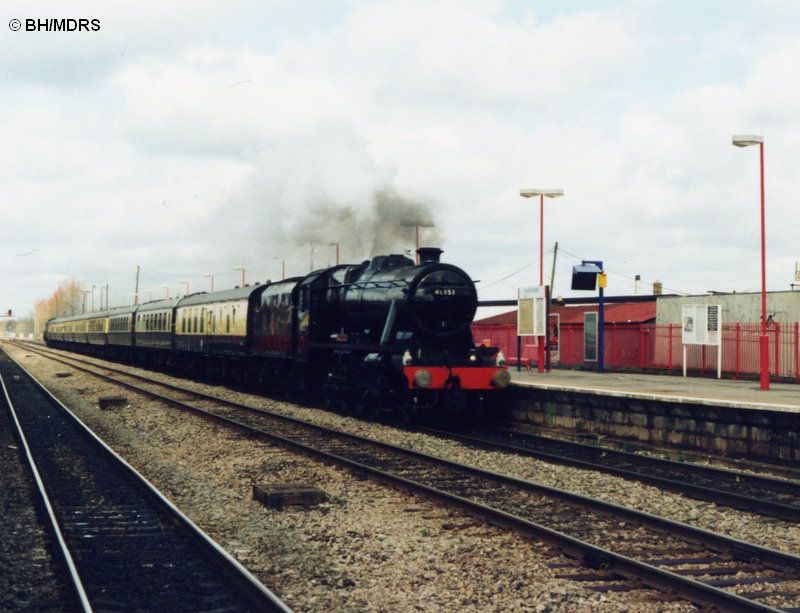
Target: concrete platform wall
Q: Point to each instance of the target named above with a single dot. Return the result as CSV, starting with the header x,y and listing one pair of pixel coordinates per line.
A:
x,y
769,436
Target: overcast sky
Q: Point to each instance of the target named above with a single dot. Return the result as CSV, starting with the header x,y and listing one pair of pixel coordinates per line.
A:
x,y
190,138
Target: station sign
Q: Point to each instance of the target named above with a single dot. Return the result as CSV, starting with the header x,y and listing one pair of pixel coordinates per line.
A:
x,y
701,324
531,311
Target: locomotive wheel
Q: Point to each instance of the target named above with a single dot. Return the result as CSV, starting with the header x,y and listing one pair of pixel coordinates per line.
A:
x,y
334,397
410,412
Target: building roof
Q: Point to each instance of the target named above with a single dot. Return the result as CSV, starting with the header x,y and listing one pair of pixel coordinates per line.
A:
x,y
633,312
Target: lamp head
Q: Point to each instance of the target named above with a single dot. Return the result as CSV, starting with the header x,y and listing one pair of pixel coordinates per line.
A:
x,y
745,140
530,192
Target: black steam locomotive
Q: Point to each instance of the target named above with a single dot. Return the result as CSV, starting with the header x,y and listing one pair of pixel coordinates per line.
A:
x,y
384,337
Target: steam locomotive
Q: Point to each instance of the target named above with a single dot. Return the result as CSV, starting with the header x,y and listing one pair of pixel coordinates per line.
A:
x,y
386,337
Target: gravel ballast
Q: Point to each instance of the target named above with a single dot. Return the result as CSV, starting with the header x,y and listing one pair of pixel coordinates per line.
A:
x,y
371,547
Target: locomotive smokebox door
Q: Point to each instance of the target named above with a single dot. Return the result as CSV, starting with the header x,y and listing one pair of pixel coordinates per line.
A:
x,y
584,276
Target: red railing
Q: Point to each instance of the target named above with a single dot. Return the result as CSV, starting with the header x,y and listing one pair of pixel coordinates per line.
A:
x,y
657,347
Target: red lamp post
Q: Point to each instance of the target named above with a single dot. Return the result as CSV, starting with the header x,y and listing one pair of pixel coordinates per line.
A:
x,y
242,268
745,140
337,251
550,193
416,225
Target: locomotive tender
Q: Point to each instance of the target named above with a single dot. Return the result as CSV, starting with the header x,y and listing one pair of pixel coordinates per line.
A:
x,y
384,337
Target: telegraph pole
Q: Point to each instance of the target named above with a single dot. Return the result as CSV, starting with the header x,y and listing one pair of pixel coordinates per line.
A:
x,y
136,292
553,270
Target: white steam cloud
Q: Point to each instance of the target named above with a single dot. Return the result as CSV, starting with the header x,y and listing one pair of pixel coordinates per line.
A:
x,y
322,189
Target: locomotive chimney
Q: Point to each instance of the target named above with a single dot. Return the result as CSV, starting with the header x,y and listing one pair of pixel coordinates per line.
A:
x,y
428,254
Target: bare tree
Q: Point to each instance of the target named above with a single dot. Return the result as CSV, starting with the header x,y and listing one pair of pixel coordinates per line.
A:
x,y
67,299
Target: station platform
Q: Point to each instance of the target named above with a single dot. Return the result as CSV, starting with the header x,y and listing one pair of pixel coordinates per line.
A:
x,y
727,417
745,394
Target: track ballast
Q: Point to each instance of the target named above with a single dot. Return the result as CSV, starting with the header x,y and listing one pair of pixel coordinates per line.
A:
x,y
128,547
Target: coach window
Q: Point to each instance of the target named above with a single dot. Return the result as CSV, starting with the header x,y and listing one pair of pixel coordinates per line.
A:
x,y
202,320
183,321
227,324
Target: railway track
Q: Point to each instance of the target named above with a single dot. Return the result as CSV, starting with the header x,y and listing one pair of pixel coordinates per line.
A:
x,y
30,575
626,548
756,494
753,493
124,546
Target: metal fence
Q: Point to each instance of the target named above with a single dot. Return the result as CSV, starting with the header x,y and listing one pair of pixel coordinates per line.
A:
x,y
658,348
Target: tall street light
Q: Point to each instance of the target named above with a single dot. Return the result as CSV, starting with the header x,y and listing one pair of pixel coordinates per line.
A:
x,y
337,251
417,225
283,267
745,140
212,281
242,268
164,287
186,283
530,192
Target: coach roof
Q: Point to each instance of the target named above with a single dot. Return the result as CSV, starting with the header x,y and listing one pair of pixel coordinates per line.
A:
x,y
228,295
158,305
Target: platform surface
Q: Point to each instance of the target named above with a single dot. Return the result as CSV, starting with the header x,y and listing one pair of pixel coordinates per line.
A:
x,y
696,390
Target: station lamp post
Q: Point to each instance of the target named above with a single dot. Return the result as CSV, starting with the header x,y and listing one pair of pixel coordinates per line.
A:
x,y
531,192
337,251
746,140
186,283
211,275
165,287
416,225
242,268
